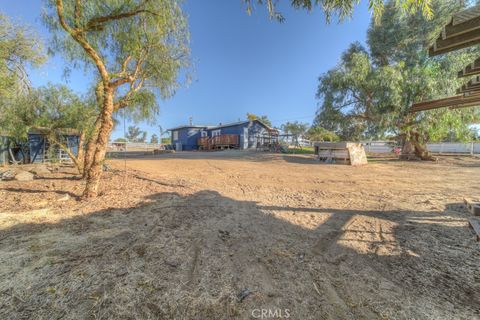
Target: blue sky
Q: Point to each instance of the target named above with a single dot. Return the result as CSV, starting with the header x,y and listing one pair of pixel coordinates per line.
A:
x,y
241,63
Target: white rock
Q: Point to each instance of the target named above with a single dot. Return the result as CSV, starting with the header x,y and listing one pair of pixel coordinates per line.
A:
x,y
24,176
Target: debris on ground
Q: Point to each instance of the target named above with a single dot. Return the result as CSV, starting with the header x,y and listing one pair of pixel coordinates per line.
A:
x,y
243,294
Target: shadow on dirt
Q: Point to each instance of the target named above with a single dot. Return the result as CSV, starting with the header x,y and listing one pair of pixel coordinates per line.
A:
x,y
193,257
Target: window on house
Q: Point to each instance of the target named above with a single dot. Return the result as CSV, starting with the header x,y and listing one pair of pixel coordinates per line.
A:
x,y
175,135
203,133
216,133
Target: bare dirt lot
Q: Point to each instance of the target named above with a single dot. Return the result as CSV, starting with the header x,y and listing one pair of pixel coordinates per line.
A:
x,y
230,235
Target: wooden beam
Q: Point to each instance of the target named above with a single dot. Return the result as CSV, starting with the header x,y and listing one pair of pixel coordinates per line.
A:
x,y
466,14
451,30
472,206
459,101
457,42
471,69
475,224
466,105
470,86
436,102
467,90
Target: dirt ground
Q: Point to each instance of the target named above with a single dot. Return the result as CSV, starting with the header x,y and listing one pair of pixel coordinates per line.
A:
x,y
243,235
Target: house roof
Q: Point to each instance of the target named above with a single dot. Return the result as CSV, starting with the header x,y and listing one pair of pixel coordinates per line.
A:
x,y
232,124
187,126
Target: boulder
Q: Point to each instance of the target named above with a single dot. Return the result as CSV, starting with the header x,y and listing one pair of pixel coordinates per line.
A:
x,y
65,197
8,174
24,176
40,170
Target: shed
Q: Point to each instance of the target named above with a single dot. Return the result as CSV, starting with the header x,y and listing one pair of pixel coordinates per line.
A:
x,y
40,147
341,152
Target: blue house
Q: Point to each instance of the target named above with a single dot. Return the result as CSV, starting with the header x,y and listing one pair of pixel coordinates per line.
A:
x,y
247,134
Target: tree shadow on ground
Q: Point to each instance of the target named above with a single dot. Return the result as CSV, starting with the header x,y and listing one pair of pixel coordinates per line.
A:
x,y
35,191
206,256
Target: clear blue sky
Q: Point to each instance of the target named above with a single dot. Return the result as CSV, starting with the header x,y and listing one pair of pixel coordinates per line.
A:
x,y
241,63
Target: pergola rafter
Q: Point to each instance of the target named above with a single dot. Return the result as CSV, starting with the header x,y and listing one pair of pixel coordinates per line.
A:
x,y
470,70
462,31
453,102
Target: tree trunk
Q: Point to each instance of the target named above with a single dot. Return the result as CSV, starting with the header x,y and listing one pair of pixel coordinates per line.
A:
x,y
90,149
94,173
413,148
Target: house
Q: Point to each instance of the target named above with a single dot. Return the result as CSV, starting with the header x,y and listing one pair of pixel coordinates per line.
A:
x,y
40,147
238,135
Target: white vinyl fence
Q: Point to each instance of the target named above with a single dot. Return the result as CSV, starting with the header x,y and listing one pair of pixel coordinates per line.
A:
x,y
133,146
454,147
441,147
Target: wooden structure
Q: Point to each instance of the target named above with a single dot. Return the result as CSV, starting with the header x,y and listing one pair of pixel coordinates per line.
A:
x,y
341,152
223,141
474,208
268,140
462,31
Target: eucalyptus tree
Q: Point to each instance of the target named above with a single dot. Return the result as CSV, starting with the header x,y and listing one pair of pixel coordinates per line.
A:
x,y
369,93
135,47
295,129
264,119
154,139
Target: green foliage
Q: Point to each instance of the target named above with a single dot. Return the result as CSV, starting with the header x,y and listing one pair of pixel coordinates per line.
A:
x,y
264,119
295,128
50,107
19,47
142,45
320,134
121,140
134,134
344,8
369,93
166,141
299,150
154,139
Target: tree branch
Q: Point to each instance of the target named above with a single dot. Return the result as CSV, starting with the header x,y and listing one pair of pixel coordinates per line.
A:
x,y
97,23
77,35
